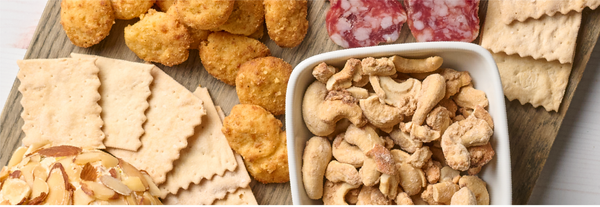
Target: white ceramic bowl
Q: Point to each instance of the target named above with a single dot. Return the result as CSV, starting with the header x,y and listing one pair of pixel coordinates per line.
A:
x,y
459,56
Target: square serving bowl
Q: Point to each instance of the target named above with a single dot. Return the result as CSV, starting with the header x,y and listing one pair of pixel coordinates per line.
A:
x,y
459,56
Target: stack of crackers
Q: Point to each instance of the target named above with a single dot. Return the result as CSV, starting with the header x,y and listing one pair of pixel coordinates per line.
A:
x,y
533,44
139,114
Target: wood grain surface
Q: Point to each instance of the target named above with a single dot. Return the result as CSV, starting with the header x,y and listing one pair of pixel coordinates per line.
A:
x,y
532,130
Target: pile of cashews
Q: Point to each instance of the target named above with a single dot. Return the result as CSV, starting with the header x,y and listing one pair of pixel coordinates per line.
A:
x,y
393,130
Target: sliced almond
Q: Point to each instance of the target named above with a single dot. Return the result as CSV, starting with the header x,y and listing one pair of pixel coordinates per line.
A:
x,y
4,173
153,199
108,160
81,198
35,158
134,183
40,172
37,200
151,185
114,174
27,172
88,173
118,201
131,199
17,157
115,184
15,191
100,191
39,186
15,174
86,189
131,171
60,190
60,151
72,170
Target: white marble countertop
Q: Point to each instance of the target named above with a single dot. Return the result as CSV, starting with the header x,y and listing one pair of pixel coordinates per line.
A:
x,y
570,175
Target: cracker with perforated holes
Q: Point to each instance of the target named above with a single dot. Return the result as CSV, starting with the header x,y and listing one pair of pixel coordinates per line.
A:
x,y
125,88
550,37
242,196
60,102
207,191
173,114
521,10
208,152
538,82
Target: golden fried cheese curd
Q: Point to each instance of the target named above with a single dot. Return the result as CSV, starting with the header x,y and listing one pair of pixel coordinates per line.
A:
x,y
129,9
246,18
86,23
263,81
224,53
286,21
159,37
204,14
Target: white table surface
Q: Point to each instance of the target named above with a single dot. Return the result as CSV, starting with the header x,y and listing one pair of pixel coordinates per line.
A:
x,y
571,173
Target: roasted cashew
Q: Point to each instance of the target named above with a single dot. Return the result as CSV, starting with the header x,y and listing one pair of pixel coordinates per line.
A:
x,y
454,80
400,95
427,195
364,137
469,97
450,106
400,156
439,119
352,196
411,179
317,154
342,172
432,171
372,196
343,79
378,67
405,65
464,196
423,133
335,193
447,174
480,155
369,173
478,187
320,115
432,92
322,72
379,114
358,93
384,162
420,157
347,153
442,192
403,199
404,141
460,135
388,185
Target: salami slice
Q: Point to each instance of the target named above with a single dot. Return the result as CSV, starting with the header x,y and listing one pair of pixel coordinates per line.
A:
x,y
360,23
443,20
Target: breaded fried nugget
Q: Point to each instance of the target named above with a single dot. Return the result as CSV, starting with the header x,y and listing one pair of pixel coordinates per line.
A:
x,y
158,37
198,36
86,23
164,5
223,54
252,131
273,168
129,9
204,14
286,21
246,18
256,135
263,81
259,33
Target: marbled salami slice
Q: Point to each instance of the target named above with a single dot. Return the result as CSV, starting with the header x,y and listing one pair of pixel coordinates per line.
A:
x,y
360,23
443,20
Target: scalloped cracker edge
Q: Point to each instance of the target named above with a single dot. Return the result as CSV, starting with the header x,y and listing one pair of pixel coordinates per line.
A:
x,y
60,102
216,188
173,114
550,37
538,82
242,196
125,88
208,152
522,10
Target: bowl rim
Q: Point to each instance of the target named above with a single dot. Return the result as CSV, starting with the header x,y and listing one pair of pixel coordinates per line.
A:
x,y
499,119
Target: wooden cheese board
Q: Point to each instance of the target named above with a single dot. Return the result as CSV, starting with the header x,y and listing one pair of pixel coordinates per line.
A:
x,y
532,130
